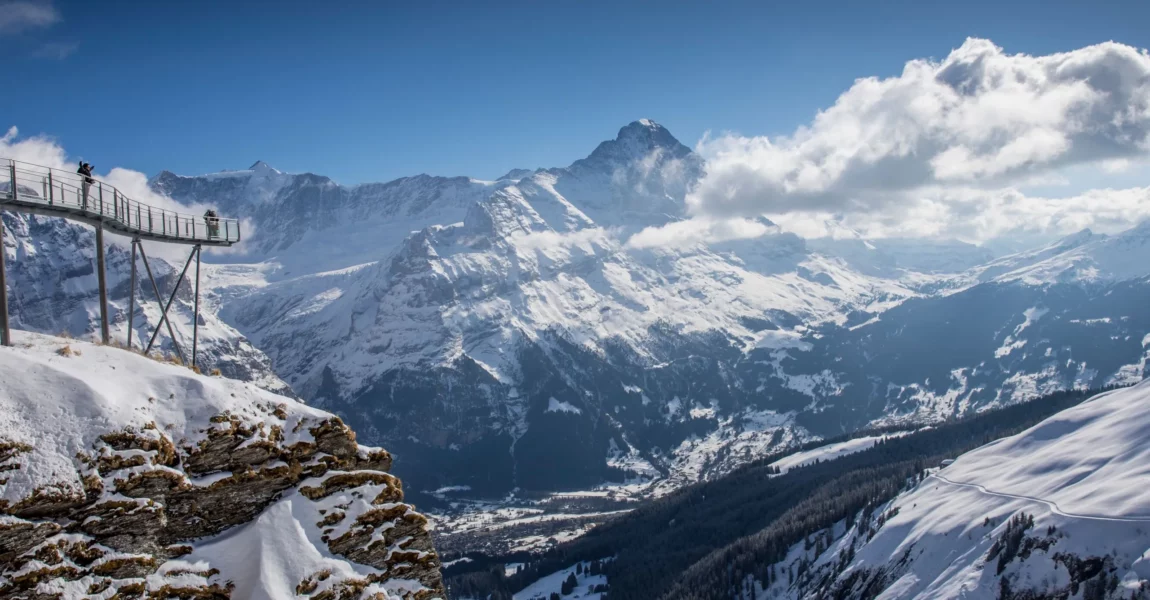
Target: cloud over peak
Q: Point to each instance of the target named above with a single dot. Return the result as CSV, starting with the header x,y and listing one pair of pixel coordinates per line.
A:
x,y
979,119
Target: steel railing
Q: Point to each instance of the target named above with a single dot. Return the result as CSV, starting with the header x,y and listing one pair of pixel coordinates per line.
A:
x,y
60,191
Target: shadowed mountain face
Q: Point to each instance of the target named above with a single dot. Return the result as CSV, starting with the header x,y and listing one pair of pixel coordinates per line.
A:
x,y
503,334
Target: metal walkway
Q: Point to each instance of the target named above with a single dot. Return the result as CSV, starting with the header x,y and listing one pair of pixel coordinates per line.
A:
x,y
51,192
57,193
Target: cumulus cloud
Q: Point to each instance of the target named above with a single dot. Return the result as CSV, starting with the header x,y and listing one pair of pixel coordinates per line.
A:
x,y
19,16
980,215
943,141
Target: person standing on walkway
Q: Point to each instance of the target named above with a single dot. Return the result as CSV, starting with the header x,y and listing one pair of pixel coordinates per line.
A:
x,y
213,222
85,172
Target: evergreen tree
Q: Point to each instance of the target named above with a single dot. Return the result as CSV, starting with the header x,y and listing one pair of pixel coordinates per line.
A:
x,y
569,585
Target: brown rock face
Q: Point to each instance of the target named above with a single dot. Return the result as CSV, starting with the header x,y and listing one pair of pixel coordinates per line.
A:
x,y
147,498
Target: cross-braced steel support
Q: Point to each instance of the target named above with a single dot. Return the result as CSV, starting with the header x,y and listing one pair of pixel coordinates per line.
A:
x,y
159,300
167,305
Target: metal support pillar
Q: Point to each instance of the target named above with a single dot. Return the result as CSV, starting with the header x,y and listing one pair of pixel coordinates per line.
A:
x,y
5,332
196,313
132,293
171,300
160,301
102,282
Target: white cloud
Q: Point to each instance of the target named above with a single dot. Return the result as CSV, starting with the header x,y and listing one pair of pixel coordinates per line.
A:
x,y
929,151
979,215
584,239
23,15
701,230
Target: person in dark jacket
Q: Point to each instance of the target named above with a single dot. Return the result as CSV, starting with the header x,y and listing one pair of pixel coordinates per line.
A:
x,y
86,180
213,222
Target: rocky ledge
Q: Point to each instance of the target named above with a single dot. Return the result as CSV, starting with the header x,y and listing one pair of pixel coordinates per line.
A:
x,y
168,484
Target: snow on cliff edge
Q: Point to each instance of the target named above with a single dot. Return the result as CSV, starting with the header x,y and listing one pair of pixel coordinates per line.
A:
x,y
120,474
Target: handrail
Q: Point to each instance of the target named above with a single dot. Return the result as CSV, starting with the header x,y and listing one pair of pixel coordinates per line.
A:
x,y
44,189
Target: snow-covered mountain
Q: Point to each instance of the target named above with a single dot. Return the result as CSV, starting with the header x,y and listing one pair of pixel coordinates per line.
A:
x,y
129,477
516,327
1060,510
504,333
521,342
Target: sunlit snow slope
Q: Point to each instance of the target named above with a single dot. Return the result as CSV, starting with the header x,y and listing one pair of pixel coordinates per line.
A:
x,y
1077,487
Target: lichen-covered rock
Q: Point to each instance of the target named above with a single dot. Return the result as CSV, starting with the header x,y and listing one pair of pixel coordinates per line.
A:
x,y
124,497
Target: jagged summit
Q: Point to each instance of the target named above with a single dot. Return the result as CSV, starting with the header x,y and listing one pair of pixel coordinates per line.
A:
x,y
260,165
637,140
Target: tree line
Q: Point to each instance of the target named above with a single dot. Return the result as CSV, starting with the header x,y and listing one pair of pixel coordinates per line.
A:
x,y
702,541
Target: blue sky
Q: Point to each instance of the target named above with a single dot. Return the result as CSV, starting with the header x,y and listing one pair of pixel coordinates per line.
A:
x,y
369,91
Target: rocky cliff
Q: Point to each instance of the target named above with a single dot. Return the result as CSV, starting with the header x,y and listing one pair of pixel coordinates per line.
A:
x,y
121,477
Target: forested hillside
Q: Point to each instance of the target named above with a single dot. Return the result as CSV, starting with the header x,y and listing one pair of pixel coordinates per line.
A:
x,y
703,540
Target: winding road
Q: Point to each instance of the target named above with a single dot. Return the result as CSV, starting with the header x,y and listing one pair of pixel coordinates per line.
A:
x,y
1053,507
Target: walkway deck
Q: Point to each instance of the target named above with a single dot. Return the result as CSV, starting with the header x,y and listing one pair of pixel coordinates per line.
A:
x,y
56,193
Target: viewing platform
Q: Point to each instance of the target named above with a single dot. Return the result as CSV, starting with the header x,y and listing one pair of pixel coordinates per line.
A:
x,y
56,193
51,192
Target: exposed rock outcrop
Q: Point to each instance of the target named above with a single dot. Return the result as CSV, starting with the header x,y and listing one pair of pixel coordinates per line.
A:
x,y
141,513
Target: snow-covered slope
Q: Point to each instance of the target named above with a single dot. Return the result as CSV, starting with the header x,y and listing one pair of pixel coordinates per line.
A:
x,y
124,475
1060,510
1082,257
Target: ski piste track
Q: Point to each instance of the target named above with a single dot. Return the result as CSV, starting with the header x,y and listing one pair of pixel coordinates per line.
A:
x,y
1054,508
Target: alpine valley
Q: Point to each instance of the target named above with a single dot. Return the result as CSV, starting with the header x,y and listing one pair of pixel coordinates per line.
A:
x,y
513,334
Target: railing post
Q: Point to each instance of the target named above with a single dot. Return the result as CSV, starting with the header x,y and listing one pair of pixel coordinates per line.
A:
x,y
100,186
12,174
149,218
51,187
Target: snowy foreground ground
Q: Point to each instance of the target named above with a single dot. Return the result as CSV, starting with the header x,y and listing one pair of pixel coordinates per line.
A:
x,y
97,441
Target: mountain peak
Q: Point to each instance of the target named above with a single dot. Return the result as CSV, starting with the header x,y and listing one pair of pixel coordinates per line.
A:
x,y
637,140
649,133
260,165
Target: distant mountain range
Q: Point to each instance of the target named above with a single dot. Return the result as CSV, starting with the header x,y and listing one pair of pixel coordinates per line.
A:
x,y
502,334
